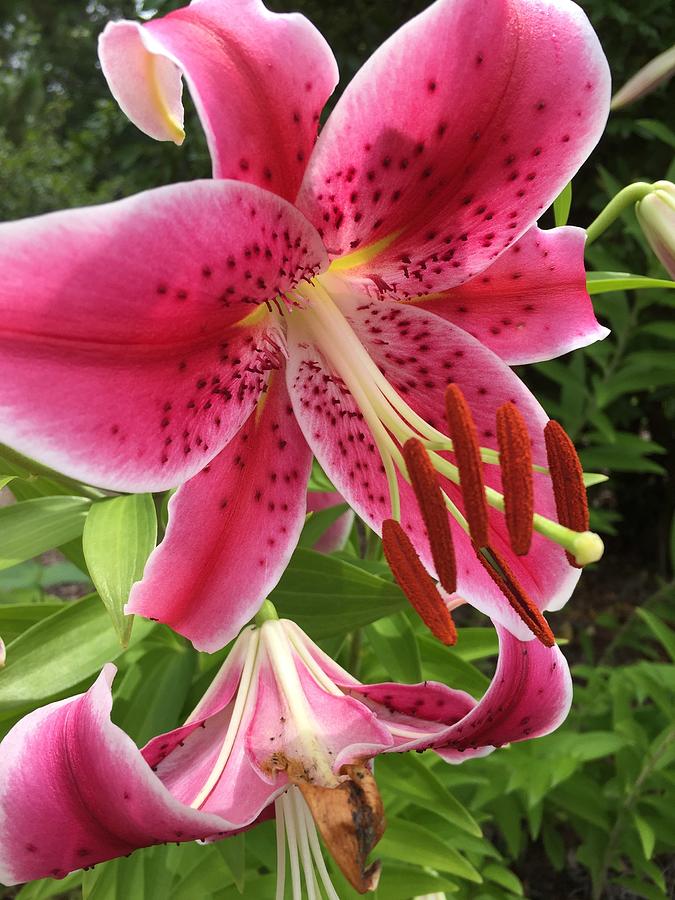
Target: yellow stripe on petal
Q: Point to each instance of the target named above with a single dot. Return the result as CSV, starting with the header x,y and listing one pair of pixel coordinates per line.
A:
x,y
174,127
365,255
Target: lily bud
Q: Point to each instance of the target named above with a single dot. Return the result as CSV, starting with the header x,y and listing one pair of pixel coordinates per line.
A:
x,y
651,76
656,215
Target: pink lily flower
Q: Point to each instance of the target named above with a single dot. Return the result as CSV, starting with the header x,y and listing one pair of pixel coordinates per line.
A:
x,y
336,535
281,724
314,299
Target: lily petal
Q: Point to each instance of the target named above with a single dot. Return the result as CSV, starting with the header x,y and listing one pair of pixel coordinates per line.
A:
x,y
75,791
232,529
530,695
252,73
420,354
454,137
531,304
335,536
125,357
185,758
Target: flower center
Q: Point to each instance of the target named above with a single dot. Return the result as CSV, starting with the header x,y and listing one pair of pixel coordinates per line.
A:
x,y
314,317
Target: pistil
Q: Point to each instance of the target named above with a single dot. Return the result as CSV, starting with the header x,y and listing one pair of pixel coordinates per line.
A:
x,y
498,570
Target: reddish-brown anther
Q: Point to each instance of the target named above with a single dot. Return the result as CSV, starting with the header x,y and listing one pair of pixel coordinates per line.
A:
x,y
498,569
416,583
430,499
515,461
467,456
567,477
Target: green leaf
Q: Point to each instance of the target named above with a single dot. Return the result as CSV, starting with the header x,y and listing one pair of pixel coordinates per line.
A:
x,y
400,882
660,329
444,664
233,853
476,643
318,522
46,888
407,776
15,618
412,843
592,478
5,480
118,538
319,481
562,204
604,282
503,877
31,527
60,652
658,129
151,695
664,635
328,596
554,846
646,833
394,643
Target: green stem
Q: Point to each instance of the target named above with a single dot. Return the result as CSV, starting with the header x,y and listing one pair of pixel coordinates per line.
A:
x,y
625,198
267,612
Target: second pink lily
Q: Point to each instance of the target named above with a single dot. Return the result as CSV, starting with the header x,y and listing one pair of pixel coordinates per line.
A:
x,y
281,724
217,333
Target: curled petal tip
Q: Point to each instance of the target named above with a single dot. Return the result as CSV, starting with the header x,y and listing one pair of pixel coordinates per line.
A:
x,y
144,79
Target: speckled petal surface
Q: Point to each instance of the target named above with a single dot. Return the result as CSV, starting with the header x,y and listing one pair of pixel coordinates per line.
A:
x,y
75,791
531,304
232,529
420,354
126,359
454,137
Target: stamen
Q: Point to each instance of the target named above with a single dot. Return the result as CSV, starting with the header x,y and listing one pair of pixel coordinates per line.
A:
x,y
567,478
467,454
430,499
515,457
416,583
506,581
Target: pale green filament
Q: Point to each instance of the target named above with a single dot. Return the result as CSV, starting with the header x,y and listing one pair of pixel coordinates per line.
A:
x,y
389,417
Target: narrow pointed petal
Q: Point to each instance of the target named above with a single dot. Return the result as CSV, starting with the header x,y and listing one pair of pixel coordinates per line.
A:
x,y
259,81
531,304
420,354
232,529
125,358
335,537
186,757
414,712
529,696
75,791
454,137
